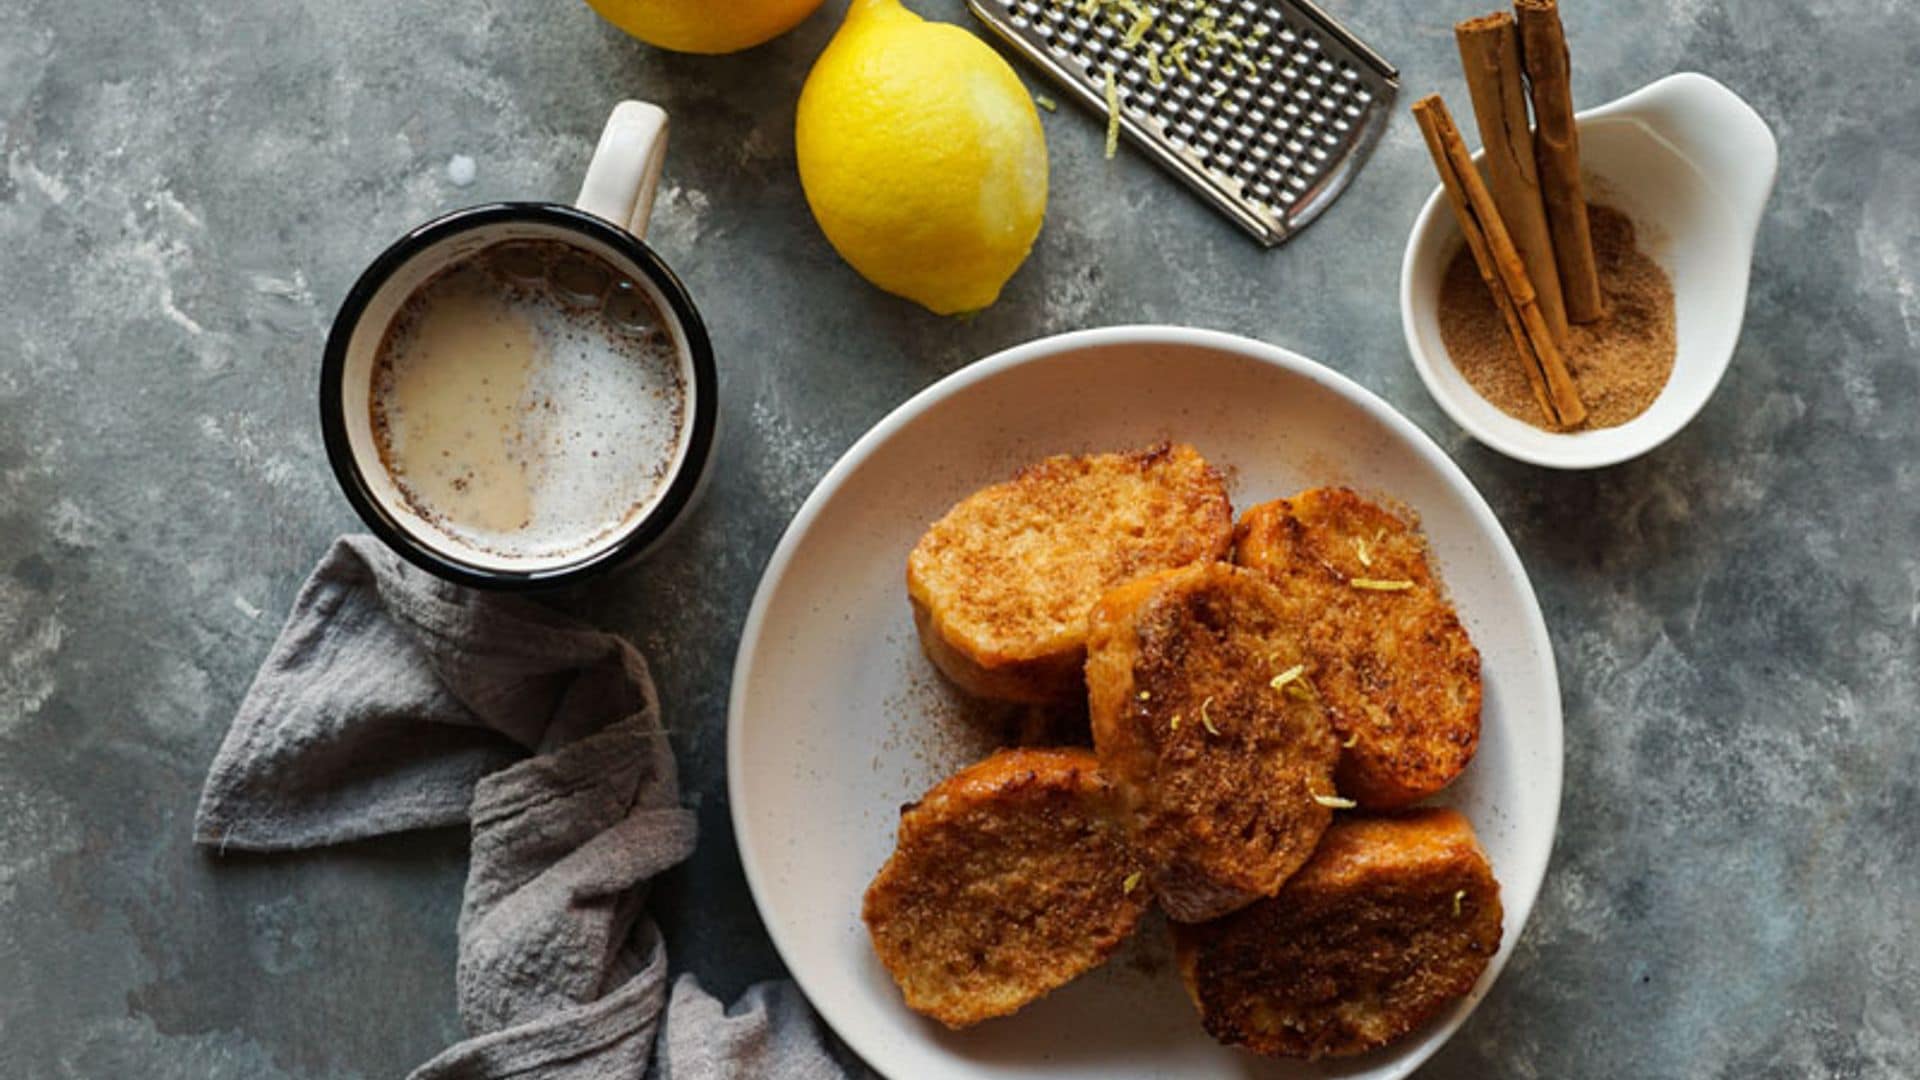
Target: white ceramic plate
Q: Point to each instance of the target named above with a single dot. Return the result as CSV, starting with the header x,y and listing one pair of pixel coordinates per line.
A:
x,y
836,719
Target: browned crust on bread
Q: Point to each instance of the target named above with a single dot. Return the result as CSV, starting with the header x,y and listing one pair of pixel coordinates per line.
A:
x,y
1002,584
1009,879
1220,802
1047,679
1393,919
1400,677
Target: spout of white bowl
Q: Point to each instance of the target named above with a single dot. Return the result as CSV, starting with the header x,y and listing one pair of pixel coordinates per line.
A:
x,y
1713,128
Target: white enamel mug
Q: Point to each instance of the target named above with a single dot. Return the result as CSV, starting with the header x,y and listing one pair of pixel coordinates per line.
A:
x,y
608,221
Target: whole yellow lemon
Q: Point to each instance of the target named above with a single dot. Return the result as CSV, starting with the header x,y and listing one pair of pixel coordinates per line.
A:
x,y
705,26
922,157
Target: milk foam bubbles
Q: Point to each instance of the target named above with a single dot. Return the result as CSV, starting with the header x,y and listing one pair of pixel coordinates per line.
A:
x,y
529,401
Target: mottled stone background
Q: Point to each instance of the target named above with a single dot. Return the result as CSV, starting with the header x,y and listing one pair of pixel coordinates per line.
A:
x,y
189,188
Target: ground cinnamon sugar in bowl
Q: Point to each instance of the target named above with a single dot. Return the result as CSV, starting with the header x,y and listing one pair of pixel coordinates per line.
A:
x,y
1620,362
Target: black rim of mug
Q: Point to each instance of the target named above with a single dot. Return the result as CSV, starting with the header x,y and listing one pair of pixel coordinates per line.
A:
x,y
346,466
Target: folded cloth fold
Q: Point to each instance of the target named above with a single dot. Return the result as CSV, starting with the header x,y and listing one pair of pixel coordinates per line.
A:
x,y
392,701
389,693
769,1033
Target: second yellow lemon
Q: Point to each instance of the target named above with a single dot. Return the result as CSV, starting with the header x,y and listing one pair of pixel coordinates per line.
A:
x,y
922,157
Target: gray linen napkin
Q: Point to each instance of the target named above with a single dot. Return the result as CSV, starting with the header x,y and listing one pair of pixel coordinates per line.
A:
x,y
393,701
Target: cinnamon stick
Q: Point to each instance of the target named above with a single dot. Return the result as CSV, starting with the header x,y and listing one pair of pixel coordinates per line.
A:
x,y
1556,149
1490,55
1500,266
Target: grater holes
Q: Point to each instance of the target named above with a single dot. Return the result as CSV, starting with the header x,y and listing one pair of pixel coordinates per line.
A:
x,y
1266,109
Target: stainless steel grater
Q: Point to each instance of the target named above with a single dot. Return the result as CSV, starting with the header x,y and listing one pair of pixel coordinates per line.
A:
x,y
1266,107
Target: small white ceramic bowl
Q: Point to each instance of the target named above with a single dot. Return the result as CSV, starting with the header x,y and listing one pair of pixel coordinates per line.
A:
x,y
1692,165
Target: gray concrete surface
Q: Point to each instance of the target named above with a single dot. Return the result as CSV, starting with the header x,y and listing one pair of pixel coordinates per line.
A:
x,y
188,189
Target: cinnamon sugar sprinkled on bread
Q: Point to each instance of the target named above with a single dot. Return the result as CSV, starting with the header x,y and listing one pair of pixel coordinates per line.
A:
x,y
1395,668
1009,879
1220,809
1391,920
1002,584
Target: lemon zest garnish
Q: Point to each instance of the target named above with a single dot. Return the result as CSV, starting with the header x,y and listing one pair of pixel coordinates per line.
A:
x,y
1178,54
1174,724
1205,719
1145,695
1281,680
1303,689
1133,882
1352,740
1113,115
1045,102
1380,584
1457,897
1360,549
1333,802
1208,37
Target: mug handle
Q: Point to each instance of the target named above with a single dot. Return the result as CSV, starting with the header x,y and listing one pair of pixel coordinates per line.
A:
x,y
625,169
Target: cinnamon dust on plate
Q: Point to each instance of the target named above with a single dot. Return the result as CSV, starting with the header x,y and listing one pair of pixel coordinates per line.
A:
x,y
1620,363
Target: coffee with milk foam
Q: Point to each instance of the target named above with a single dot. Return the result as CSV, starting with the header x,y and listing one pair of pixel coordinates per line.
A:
x,y
529,401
